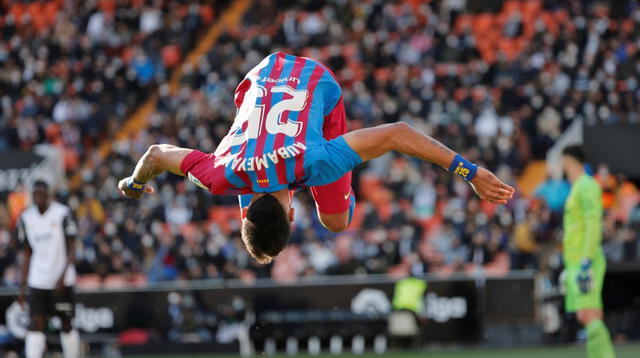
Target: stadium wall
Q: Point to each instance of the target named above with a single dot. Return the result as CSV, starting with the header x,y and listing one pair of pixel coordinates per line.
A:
x,y
617,145
455,310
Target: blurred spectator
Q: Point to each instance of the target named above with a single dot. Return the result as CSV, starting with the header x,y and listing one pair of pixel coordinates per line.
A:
x,y
554,192
634,218
525,247
76,69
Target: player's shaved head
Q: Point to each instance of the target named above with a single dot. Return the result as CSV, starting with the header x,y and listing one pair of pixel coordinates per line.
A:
x,y
266,228
40,185
40,194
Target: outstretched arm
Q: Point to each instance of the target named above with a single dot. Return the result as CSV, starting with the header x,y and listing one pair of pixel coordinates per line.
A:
x,y
159,158
374,142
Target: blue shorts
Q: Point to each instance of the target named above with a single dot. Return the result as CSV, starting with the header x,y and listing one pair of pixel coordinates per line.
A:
x,y
327,161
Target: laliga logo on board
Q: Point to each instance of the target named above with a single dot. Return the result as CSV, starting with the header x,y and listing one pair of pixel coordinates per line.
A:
x,y
88,319
442,309
371,301
439,309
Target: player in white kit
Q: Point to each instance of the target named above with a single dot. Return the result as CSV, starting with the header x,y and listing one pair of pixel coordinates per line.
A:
x,y
46,233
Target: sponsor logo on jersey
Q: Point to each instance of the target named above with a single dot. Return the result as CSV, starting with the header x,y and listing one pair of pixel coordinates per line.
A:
x,y
278,80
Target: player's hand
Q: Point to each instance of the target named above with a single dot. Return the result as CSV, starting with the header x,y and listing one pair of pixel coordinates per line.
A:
x,y
584,276
123,187
21,295
59,286
489,187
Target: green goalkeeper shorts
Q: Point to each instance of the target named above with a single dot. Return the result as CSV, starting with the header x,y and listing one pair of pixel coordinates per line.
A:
x,y
574,299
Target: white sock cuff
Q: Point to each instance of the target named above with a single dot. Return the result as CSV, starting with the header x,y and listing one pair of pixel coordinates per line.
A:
x,y
35,344
70,343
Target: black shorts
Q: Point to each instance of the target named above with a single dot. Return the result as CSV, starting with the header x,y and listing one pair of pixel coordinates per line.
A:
x,y
48,303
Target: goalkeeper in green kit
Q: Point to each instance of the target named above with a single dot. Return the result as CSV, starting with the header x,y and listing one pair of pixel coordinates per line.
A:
x,y
584,260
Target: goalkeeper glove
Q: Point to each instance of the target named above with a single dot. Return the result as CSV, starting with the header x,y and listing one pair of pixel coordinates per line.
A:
x,y
585,276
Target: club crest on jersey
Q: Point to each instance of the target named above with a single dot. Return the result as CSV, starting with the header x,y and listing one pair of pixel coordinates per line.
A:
x,y
196,181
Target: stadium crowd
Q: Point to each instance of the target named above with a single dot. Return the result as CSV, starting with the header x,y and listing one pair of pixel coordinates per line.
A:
x,y
501,99
71,71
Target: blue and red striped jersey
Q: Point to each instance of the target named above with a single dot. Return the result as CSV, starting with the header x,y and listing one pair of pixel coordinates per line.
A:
x,y
281,135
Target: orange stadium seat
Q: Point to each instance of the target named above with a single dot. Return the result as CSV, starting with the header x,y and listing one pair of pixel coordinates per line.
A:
x,y
511,6
108,6
463,22
223,216
138,280
71,158
53,133
115,281
89,282
531,6
499,266
550,22
17,201
16,10
509,48
482,23
207,13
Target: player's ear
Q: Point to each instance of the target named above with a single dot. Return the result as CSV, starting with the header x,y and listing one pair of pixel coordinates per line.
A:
x,y
291,213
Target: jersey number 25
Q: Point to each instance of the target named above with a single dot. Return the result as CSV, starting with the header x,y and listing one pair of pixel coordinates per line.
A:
x,y
254,114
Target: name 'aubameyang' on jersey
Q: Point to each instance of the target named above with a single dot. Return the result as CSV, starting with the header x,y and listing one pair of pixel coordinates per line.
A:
x,y
281,106
287,132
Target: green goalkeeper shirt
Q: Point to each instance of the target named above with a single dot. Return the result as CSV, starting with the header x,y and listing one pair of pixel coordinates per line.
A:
x,y
583,222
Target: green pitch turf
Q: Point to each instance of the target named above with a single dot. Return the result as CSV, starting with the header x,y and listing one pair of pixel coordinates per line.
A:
x,y
623,351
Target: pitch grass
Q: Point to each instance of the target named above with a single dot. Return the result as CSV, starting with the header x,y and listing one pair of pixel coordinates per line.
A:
x,y
623,351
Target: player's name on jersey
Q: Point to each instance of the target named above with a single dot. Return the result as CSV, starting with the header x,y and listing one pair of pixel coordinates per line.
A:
x,y
262,162
278,80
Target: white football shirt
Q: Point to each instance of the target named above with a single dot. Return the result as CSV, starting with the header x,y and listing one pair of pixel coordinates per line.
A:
x,y
46,235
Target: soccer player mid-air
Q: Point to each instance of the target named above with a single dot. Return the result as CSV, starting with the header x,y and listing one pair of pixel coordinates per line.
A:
x,y
584,259
290,132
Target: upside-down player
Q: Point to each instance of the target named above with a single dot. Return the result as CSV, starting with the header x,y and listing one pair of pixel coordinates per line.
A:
x,y
290,132
584,261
